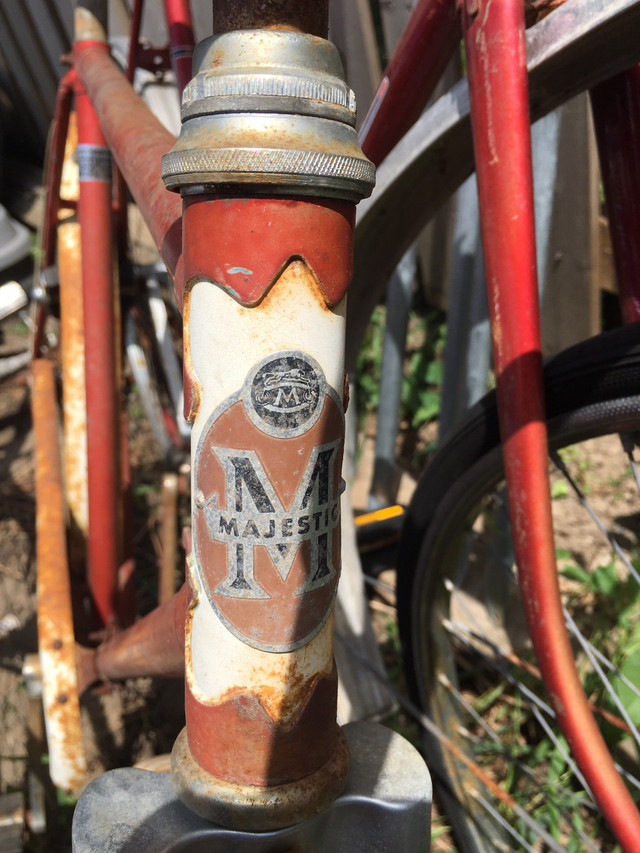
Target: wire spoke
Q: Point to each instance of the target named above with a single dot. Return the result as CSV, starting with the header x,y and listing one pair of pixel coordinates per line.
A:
x,y
435,731
605,681
503,749
628,445
495,814
538,706
557,461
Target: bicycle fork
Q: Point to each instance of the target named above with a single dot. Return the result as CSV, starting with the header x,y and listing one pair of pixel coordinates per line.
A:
x,y
496,56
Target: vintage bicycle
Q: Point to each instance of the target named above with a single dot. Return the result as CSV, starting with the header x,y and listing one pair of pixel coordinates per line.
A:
x,y
269,168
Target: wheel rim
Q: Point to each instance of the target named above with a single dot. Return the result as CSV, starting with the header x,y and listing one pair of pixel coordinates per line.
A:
x,y
448,650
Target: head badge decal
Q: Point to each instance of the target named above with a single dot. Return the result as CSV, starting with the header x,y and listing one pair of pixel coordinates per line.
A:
x,y
267,503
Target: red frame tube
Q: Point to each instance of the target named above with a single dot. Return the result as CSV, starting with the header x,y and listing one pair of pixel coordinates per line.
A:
x,y
137,140
496,56
55,159
411,76
181,40
103,449
616,113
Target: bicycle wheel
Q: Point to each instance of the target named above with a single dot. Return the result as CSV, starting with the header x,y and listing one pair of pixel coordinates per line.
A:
x,y
152,337
468,659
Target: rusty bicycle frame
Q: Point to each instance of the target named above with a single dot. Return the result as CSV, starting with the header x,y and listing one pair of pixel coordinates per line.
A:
x,y
273,256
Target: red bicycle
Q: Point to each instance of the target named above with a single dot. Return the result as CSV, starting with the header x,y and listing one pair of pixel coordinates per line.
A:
x,y
269,168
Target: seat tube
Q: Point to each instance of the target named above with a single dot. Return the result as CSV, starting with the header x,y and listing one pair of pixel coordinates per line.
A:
x,y
270,170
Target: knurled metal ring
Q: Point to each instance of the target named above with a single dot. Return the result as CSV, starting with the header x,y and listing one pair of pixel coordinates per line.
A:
x,y
267,92
246,165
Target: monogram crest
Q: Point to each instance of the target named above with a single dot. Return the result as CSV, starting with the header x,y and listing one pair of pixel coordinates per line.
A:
x,y
267,504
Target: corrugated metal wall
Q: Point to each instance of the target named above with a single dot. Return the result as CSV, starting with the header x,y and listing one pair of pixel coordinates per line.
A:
x,y
34,36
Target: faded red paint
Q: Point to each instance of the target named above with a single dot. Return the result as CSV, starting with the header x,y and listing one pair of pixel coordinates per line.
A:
x,y
138,141
411,76
496,57
103,433
236,740
181,40
244,244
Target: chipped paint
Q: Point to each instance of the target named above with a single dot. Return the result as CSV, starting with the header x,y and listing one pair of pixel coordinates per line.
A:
x,y
56,641
73,386
276,700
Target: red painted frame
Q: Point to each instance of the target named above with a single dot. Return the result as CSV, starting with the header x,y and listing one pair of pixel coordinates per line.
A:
x,y
503,157
497,73
95,208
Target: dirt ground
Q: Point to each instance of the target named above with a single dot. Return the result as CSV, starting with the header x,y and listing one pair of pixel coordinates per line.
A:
x,y
142,718
123,725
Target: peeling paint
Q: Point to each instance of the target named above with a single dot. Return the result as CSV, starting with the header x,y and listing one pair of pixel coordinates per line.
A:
x,y
56,638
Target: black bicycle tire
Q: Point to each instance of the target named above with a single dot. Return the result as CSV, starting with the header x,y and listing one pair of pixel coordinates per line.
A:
x,y
591,389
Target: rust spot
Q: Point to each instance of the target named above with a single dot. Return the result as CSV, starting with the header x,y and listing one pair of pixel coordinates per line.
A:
x,y
55,621
257,750
309,17
345,393
192,388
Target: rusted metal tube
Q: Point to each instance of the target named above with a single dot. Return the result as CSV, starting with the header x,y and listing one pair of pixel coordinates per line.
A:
x,y
152,647
72,358
266,555
266,296
56,640
73,386
138,141
312,16
496,59
103,433
55,159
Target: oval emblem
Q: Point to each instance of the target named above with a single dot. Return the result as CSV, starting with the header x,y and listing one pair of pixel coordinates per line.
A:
x,y
266,518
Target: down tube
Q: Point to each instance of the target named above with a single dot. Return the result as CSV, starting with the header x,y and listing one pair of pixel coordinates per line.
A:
x,y
494,39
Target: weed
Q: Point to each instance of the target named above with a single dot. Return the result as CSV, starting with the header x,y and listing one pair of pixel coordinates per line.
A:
x,y
423,366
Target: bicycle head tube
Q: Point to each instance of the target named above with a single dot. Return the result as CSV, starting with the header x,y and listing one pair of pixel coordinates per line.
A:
x,y
269,168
